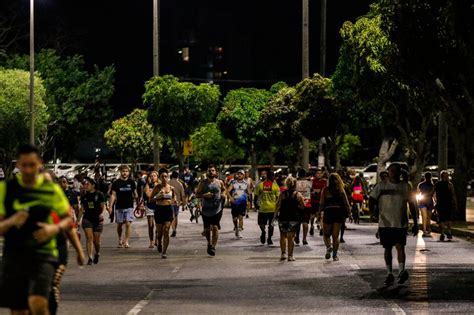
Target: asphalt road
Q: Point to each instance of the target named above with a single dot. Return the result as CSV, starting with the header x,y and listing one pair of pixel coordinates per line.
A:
x,y
246,277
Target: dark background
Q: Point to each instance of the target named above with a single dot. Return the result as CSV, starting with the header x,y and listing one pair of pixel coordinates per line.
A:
x,y
260,40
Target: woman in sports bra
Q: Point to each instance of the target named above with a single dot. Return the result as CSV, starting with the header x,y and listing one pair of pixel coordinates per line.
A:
x,y
163,195
289,208
152,181
335,209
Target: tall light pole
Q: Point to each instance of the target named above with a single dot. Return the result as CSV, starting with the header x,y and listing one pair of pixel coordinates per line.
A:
x,y
156,72
322,70
32,72
305,74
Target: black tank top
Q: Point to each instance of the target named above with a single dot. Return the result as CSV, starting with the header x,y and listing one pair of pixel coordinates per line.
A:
x,y
289,208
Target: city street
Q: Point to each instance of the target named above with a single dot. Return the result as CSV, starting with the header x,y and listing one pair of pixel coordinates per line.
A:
x,y
247,277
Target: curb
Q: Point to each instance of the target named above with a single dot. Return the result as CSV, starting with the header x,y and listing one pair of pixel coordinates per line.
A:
x,y
455,231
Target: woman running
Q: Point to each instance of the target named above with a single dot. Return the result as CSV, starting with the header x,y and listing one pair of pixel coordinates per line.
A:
x,y
150,206
92,206
164,197
425,202
289,208
335,209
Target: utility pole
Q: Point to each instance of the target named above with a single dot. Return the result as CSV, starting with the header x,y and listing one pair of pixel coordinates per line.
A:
x,y
322,68
156,72
32,72
305,74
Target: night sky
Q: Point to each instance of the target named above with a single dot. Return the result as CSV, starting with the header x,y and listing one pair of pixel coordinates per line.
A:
x,y
261,39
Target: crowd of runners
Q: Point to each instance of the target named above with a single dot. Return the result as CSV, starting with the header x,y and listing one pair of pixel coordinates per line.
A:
x,y
38,217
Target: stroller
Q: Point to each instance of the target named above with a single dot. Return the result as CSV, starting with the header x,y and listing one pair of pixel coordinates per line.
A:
x,y
194,208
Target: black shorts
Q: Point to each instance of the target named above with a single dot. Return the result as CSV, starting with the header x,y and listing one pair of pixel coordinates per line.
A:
x,y
314,208
444,214
96,226
239,210
163,214
265,218
307,214
214,220
22,277
390,237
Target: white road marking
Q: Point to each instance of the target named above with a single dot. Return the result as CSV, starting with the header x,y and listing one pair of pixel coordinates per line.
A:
x,y
141,305
355,266
397,309
176,269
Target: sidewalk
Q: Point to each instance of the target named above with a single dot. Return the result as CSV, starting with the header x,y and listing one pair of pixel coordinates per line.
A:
x,y
463,229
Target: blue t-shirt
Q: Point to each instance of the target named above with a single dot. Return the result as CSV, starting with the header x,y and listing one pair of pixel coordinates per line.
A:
x,y
212,206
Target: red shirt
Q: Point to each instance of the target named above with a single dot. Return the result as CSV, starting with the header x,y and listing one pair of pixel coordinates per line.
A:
x,y
318,185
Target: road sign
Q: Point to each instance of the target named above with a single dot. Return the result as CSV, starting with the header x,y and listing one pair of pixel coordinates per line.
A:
x,y
187,148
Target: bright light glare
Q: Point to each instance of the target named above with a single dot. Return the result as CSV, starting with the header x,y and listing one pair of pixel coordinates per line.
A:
x,y
419,197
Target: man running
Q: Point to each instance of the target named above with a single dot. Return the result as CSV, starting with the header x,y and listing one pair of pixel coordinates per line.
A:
x,y
28,206
124,191
238,192
303,186
180,199
392,197
251,189
188,179
446,204
319,183
267,192
211,190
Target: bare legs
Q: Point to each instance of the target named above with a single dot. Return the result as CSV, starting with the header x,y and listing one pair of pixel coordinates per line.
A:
x,y
331,231
151,230
128,226
163,235
426,220
287,242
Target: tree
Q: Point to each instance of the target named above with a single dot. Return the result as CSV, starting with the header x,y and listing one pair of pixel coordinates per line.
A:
x,y
14,112
436,48
367,80
209,145
77,100
239,119
177,108
131,136
348,144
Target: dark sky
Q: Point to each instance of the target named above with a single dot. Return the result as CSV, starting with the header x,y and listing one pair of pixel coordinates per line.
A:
x,y
261,38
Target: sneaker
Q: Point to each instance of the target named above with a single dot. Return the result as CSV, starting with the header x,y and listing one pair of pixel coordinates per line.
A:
x,y
89,262
402,277
262,238
328,253
163,256
269,241
342,241
441,238
283,257
159,248
335,258
173,234
246,216
212,251
318,226
297,241
311,231
291,258
209,249
320,232
305,242
449,236
191,218
389,280
96,259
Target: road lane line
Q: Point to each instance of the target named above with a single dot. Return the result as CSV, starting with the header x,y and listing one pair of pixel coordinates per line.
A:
x,y
176,269
397,309
141,305
355,266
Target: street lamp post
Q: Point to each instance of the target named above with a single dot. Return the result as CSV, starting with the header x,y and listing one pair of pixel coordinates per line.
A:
x,y
156,72
305,74
32,72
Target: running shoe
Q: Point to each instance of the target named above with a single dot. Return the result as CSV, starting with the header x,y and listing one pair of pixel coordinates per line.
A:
x,y
96,259
335,258
291,258
328,253
212,251
209,249
283,257
246,216
173,234
402,277
342,241
321,232
449,236
269,241
89,262
305,242
163,256
441,238
262,238
297,241
311,231
389,280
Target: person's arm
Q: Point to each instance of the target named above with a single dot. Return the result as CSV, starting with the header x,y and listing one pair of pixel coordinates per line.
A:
x,y
322,200
346,205
300,199
135,193
200,189
113,196
413,208
278,205
76,243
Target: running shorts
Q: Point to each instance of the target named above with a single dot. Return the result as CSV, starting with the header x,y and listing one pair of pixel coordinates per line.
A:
x,y
124,215
390,237
97,227
265,218
22,277
239,210
163,214
213,220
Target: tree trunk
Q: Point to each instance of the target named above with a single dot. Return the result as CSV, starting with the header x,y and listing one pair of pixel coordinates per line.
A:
x,y
386,151
178,151
156,150
253,160
461,171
